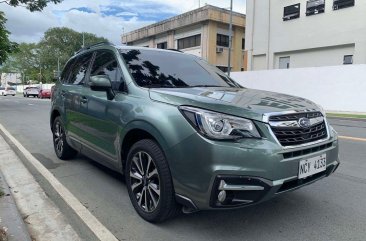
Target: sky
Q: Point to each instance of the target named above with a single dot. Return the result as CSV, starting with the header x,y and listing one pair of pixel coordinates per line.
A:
x,y
105,18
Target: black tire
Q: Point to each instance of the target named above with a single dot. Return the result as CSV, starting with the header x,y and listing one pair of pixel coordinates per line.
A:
x,y
166,206
13,95
62,149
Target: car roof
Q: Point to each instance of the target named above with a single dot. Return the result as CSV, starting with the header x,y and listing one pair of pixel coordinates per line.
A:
x,y
107,45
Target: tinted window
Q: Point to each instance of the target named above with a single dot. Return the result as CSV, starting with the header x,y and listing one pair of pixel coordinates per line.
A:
x,y
66,71
10,88
79,69
161,69
106,64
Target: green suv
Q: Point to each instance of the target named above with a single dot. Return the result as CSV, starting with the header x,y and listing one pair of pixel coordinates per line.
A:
x,y
185,135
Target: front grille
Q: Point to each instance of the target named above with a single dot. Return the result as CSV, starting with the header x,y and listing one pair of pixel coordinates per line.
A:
x,y
295,135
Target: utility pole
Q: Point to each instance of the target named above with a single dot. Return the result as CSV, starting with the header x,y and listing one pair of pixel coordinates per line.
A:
x,y
230,37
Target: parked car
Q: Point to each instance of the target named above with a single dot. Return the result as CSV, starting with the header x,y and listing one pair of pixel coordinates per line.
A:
x,y
31,91
7,91
185,135
44,93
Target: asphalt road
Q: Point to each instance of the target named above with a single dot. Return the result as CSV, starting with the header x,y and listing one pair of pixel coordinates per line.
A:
x,y
331,209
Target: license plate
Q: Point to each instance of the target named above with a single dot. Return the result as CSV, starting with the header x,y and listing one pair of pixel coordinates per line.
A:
x,y
312,166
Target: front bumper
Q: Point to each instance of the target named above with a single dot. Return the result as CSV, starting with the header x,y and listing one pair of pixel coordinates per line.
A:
x,y
199,166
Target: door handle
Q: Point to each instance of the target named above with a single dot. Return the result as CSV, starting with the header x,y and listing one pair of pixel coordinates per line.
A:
x,y
63,93
84,100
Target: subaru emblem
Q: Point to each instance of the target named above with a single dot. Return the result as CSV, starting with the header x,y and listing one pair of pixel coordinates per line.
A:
x,y
304,122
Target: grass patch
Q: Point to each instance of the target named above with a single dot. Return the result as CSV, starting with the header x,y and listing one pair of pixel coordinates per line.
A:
x,y
346,115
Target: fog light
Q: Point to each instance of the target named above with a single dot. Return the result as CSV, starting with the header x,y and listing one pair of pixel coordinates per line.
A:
x,y
222,196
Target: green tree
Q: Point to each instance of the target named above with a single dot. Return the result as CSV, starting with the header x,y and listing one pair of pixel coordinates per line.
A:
x,y
25,60
59,44
6,46
32,5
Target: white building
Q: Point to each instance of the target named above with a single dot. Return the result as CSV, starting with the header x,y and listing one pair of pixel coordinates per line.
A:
x,y
10,78
301,33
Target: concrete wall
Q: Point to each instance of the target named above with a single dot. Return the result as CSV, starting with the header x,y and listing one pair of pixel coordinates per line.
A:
x,y
336,88
267,34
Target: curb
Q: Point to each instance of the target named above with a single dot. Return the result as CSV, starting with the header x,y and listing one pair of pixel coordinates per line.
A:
x,y
10,218
82,220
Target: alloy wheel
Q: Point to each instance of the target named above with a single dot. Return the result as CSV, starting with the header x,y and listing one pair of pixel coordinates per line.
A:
x,y
58,137
145,181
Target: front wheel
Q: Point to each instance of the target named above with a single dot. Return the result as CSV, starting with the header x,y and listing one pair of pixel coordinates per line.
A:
x,y
149,182
62,149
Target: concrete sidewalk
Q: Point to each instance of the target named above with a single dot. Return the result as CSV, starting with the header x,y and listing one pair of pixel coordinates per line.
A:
x,y
43,218
12,226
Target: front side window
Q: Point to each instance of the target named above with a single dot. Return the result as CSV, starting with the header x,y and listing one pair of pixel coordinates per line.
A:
x,y
105,63
315,7
79,69
189,42
222,40
291,12
158,69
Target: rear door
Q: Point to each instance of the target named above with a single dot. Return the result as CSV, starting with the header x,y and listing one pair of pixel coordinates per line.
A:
x,y
72,92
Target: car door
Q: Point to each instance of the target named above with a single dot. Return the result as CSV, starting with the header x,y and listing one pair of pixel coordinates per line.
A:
x,y
72,92
103,114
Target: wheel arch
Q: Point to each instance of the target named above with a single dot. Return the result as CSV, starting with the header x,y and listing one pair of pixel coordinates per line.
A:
x,y
136,131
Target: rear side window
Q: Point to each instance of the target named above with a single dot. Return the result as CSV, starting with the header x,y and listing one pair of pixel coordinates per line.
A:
x,y
79,69
105,63
66,72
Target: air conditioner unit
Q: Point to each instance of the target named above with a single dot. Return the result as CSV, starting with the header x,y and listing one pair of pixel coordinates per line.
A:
x,y
219,49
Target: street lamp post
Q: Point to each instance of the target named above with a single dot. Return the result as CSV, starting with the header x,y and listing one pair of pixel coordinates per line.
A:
x,y
230,37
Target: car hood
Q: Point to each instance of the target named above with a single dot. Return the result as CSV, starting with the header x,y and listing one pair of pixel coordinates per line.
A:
x,y
248,103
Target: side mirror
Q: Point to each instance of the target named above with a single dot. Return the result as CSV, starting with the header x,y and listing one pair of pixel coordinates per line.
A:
x,y
101,83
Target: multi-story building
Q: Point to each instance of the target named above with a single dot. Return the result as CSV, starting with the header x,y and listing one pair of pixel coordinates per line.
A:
x,y
301,33
203,32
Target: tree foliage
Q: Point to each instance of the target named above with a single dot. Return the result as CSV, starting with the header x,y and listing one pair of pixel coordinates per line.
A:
x,y
6,46
32,5
56,46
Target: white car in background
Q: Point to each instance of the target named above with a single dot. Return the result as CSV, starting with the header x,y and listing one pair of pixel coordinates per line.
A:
x,y
31,91
7,91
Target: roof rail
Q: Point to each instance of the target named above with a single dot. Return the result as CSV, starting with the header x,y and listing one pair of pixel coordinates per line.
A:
x,y
94,45
176,50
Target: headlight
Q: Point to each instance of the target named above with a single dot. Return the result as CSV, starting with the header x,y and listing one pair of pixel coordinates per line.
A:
x,y
219,126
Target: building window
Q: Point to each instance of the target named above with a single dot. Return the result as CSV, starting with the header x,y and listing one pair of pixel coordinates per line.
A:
x,y
291,12
339,4
348,59
189,42
315,7
284,62
146,46
243,44
222,40
163,45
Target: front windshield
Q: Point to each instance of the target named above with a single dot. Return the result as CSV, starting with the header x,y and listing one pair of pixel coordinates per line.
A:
x,y
163,69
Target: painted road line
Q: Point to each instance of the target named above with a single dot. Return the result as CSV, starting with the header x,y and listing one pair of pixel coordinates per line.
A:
x,y
92,223
352,138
